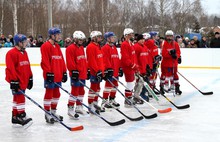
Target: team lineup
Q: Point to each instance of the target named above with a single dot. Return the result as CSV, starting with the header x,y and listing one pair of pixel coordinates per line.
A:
x,y
139,63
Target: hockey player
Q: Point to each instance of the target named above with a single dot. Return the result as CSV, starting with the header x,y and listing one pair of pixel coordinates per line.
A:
x,y
96,66
112,68
129,64
54,70
169,65
19,75
77,67
154,59
142,56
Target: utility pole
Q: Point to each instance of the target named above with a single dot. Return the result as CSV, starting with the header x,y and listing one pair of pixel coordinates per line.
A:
x,y
50,18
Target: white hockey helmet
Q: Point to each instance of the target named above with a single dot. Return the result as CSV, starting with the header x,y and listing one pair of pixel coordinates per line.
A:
x,y
95,34
79,35
169,33
128,31
146,35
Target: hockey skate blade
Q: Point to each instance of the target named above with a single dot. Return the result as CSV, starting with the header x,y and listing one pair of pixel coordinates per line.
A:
x,y
165,110
78,128
26,126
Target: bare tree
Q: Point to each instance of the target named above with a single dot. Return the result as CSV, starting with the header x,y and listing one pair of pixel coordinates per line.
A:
x,y
2,16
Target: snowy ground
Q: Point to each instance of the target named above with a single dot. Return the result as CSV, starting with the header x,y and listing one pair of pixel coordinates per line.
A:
x,y
199,123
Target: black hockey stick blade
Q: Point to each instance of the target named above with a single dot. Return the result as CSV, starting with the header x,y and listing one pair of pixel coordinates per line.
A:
x,y
147,116
131,119
206,93
114,123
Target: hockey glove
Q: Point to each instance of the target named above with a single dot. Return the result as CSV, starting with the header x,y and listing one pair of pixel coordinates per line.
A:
x,y
30,83
173,53
50,77
179,60
64,79
99,76
108,73
148,71
120,73
14,85
157,58
88,74
75,75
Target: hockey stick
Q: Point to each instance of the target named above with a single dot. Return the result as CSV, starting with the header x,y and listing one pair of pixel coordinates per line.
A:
x,y
178,107
132,119
151,91
204,93
94,112
77,128
158,110
146,117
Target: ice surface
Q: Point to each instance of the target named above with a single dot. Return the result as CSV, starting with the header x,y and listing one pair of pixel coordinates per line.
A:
x,y
199,123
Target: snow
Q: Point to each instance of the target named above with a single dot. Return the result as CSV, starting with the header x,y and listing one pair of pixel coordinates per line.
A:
x,y
198,123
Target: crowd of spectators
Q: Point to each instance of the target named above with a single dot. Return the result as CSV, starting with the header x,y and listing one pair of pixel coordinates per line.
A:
x,y
184,42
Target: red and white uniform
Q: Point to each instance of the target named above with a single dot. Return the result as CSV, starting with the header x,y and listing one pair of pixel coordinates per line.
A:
x,y
76,60
128,62
142,56
52,61
95,63
111,60
168,64
153,51
18,69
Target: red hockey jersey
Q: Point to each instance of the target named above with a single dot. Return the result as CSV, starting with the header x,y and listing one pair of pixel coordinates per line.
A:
x,y
167,60
95,58
128,57
18,67
142,56
76,60
52,61
153,51
111,58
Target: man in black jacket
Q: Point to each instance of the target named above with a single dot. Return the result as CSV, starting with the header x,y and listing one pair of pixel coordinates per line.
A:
x,y
215,42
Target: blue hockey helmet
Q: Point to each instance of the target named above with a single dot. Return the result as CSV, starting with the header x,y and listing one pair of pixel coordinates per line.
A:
x,y
54,31
19,38
108,35
153,33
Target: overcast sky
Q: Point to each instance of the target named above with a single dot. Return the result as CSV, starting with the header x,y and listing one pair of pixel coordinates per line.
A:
x,y
211,6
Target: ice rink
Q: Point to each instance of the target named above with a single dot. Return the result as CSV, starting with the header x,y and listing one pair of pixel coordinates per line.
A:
x,y
199,123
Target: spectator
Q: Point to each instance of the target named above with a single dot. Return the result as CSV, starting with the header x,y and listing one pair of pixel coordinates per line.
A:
x,y
68,41
11,39
1,43
186,41
192,44
196,41
34,43
39,42
8,43
3,39
61,43
180,42
204,43
215,42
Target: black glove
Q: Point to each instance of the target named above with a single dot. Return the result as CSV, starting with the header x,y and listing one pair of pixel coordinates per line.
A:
x,y
88,74
157,58
108,73
30,83
99,76
120,73
75,75
64,79
50,77
148,70
14,85
179,60
173,53
145,77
